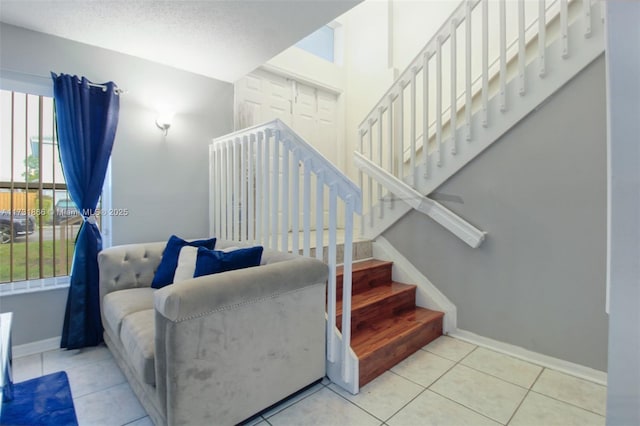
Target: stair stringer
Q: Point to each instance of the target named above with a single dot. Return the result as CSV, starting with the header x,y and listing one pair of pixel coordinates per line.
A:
x,y
559,71
427,295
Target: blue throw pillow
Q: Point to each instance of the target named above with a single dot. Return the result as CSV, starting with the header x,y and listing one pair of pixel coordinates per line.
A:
x,y
169,263
213,261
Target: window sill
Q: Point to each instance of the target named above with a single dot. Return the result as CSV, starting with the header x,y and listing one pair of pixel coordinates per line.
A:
x,y
33,286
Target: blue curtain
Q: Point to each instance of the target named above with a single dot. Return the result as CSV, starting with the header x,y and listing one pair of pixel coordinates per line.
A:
x,y
87,117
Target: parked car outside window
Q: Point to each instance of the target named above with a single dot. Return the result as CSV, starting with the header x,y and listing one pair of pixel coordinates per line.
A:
x,y
20,224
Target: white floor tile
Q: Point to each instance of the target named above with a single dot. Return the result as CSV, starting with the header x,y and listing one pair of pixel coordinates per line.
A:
x,y
480,392
584,394
539,410
507,368
384,396
423,368
253,422
61,359
27,367
145,421
292,400
115,406
432,409
323,408
450,348
97,376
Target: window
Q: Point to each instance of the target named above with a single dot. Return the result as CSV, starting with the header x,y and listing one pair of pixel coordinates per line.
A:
x,y
38,220
320,43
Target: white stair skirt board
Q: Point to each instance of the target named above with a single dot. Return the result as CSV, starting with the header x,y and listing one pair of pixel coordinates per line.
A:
x,y
427,295
587,373
36,347
559,72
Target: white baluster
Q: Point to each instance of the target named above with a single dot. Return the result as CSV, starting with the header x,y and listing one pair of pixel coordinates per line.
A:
x,y
275,190
390,139
223,190
467,62
229,224
380,201
251,189
331,286
319,214
260,212
564,28
439,100
244,230
266,198
425,107
295,218
586,9
306,209
412,129
454,95
346,290
503,56
542,30
284,241
401,131
235,232
360,176
485,63
521,49
369,178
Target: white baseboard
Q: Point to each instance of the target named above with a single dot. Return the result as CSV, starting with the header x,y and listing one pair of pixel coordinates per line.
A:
x,y
587,373
427,295
36,347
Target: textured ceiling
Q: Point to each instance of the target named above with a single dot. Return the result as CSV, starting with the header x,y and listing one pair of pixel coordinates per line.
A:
x,y
223,39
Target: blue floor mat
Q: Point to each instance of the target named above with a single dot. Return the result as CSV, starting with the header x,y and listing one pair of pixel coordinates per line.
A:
x,y
41,401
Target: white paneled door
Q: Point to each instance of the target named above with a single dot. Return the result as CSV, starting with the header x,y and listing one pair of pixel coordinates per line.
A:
x,y
310,111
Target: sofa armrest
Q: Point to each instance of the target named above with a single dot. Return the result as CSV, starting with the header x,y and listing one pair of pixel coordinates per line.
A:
x,y
232,344
203,295
128,266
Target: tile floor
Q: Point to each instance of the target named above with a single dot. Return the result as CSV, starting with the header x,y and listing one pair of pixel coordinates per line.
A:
x,y
448,382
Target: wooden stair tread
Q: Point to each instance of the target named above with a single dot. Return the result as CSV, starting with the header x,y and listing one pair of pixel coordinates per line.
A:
x,y
363,265
380,334
375,294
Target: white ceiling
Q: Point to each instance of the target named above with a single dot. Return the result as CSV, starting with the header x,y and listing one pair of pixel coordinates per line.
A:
x,y
223,39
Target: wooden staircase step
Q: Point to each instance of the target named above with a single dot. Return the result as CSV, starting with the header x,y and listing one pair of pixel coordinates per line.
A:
x,y
378,303
382,344
365,275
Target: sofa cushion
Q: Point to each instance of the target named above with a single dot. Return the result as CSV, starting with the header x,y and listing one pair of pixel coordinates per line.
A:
x,y
137,337
215,261
118,304
169,262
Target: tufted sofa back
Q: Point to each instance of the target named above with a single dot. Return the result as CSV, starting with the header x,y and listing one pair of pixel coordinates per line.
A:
x,y
128,266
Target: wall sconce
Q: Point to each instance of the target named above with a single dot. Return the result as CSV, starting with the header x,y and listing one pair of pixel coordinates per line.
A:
x,y
164,119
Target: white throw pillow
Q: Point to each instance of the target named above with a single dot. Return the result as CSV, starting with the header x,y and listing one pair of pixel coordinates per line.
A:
x,y
187,262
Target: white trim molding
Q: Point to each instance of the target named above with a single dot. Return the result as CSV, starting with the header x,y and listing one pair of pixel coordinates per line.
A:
x,y
587,373
427,295
37,347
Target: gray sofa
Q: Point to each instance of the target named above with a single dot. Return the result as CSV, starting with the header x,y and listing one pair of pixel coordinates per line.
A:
x,y
217,349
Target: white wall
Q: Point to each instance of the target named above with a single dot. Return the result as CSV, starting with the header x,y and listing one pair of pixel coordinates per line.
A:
x,y
162,181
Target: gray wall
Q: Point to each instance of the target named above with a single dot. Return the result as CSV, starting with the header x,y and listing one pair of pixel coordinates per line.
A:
x,y
162,181
538,281
623,68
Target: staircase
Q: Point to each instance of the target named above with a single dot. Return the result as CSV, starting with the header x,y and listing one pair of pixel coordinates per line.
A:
x,y
386,324
414,138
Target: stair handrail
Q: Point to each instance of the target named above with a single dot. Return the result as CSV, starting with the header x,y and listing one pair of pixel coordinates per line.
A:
x,y
249,170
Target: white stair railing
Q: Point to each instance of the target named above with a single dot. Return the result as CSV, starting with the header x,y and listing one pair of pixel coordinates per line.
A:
x,y
263,181
478,76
